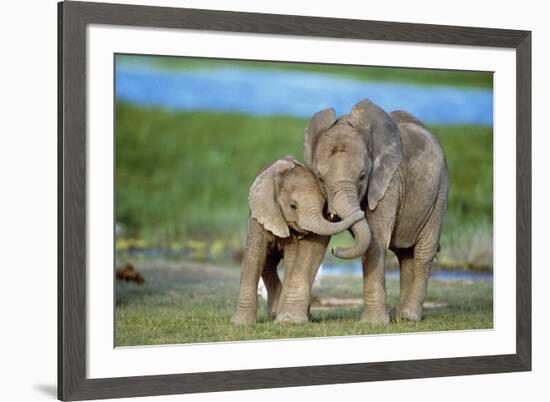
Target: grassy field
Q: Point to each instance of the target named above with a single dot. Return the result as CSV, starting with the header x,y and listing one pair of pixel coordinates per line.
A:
x,y
362,73
184,302
183,178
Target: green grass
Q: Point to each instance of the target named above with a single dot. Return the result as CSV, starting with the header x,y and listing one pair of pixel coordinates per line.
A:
x,y
183,302
185,176
362,73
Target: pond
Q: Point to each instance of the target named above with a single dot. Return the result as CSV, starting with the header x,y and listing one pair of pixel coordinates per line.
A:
x,y
292,93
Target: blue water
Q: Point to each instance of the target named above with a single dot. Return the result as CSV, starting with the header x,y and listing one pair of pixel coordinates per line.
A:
x,y
355,269
292,93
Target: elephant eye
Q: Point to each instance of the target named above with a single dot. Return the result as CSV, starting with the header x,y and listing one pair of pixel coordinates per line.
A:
x,y
362,176
293,206
321,180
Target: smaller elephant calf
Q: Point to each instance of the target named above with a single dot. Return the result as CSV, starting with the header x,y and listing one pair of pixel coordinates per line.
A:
x,y
286,222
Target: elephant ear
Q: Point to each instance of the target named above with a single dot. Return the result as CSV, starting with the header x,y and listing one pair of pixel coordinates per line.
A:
x,y
295,161
320,122
384,143
262,198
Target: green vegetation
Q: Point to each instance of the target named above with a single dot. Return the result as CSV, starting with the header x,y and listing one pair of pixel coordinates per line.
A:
x,y
183,178
372,74
188,303
187,175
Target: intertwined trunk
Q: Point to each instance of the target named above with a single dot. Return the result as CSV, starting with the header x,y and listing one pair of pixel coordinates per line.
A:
x,y
314,221
346,203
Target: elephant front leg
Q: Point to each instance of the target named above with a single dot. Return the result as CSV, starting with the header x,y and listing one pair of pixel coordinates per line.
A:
x,y
374,286
295,297
254,260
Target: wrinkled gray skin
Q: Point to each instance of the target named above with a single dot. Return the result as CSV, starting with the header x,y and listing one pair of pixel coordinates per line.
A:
x,y
393,168
286,222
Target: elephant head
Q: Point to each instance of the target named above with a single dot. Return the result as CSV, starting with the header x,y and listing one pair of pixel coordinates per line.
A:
x,y
285,196
353,157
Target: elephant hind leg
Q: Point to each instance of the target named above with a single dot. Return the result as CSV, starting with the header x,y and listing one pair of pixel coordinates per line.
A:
x,y
412,300
406,277
411,308
272,283
425,251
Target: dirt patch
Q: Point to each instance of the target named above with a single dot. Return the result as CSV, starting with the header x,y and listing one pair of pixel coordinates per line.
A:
x,y
329,302
435,305
334,302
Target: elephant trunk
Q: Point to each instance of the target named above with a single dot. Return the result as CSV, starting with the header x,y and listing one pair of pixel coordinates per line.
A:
x,y
314,221
345,203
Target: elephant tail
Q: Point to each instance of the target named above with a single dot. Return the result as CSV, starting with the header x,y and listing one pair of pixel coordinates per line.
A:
x,y
438,251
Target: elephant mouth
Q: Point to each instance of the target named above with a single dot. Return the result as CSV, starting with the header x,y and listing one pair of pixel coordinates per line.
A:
x,y
330,216
297,229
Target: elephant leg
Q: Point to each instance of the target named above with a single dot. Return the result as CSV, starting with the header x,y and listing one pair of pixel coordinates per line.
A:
x,y
425,251
273,284
254,260
381,222
312,275
289,257
411,307
374,286
406,277
295,297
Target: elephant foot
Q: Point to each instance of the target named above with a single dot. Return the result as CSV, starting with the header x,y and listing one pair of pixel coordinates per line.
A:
x,y
408,313
291,318
376,317
272,309
243,318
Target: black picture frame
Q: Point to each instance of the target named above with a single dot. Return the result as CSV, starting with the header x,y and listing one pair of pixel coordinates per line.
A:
x,y
73,18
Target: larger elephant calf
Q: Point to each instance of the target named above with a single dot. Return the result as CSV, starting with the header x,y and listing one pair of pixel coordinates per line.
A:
x,y
391,167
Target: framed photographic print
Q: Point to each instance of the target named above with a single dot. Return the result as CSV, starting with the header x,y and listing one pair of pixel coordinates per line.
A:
x,y
257,201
